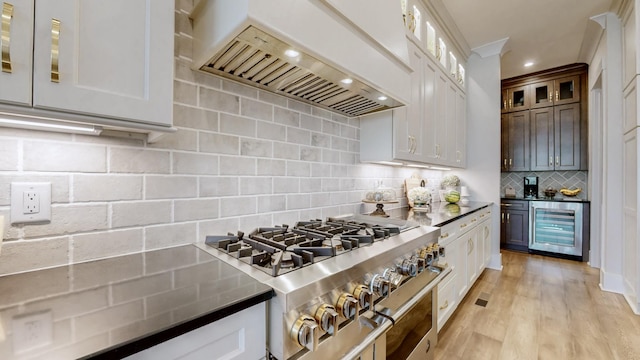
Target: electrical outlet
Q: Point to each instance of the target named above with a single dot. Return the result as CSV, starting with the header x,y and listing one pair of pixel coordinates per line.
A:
x,y
30,202
32,331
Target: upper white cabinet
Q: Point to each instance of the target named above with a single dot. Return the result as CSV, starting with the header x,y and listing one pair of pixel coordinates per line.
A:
x,y
106,59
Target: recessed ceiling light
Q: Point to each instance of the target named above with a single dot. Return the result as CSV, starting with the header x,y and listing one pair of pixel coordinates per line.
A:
x,y
382,98
527,64
346,81
291,53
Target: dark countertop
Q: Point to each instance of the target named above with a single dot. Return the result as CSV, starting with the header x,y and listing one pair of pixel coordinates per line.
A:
x,y
114,307
441,213
558,198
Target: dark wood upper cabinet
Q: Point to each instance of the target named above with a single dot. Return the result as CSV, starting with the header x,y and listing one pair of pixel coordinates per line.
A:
x,y
556,117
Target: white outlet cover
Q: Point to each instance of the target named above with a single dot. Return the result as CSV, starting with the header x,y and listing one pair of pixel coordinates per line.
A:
x,y
17,201
31,331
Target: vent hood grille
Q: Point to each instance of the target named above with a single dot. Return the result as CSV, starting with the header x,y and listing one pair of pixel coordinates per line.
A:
x,y
258,59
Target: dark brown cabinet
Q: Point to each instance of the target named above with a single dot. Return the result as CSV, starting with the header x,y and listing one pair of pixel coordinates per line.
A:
x,y
514,225
515,141
555,138
556,120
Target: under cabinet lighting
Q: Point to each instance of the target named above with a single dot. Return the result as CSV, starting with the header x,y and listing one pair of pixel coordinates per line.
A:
x,y
46,124
390,163
419,166
439,168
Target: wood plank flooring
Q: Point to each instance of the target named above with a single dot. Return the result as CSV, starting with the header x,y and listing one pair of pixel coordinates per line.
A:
x,y
540,308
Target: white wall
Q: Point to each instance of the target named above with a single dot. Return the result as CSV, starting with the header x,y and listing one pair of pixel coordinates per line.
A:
x,y
483,139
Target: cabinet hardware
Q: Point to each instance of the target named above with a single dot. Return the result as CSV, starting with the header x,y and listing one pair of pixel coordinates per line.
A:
x,y
557,95
505,104
550,160
7,15
502,218
415,144
557,160
510,162
437,150
446,305
474,220
505,163
458,156
501,204
462,226
510,106
550,96
508,217
445,235
55,50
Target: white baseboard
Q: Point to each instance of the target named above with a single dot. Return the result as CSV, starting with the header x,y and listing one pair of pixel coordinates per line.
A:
x,y
611,282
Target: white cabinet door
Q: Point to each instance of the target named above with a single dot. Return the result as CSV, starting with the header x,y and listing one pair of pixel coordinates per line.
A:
x,y
431,112
115,58
241,336
461,245
408,129
472,257
460,159
440,126
15,83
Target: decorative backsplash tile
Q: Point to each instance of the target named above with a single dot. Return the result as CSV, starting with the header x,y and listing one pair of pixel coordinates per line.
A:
x,y
554,179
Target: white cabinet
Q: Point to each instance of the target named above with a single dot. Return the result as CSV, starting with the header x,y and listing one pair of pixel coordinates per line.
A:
x,y
106,59
467,250
241,336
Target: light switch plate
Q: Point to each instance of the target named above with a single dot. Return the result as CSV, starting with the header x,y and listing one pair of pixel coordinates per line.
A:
x,y
30,202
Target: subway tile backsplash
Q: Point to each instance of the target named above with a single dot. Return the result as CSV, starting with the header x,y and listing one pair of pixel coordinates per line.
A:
x,y
241,158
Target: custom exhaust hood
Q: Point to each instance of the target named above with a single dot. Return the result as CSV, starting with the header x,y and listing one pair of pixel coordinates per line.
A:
x,y
349,57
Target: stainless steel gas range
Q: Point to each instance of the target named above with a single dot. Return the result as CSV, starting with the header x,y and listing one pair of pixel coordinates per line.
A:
x,y
354,286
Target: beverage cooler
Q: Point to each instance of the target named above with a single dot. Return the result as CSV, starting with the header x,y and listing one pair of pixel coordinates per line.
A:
x,y
558,228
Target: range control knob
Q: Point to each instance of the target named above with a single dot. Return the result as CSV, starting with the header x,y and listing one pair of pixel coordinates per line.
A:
x,y
327,318
364,296
407,267
347,306
379,285
395,279
305,332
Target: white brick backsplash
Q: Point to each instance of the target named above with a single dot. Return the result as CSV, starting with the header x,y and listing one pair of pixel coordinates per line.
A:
x,y
338,143
106,187
195,209
299,106
161,236
272,167
185,93
311,123
124,160
298,136
218,143
252,222
320,140
140,213
8,154
330,127
59,186
190,163
339,170
272,98
339,118
320,170
237,125
219,101
256,109
239,88
329,184
348,132
180,140
237,166
287,217
97,245
272,131
320,112
49,156
298,168
330,156
310,154
286,151
71,219
272,203
285,185
219,186
19,256
253,147
217,227
286,117
320,200
170,187
310,185
182,23
184,116
238,206
256,185
298,201
348,158
354,147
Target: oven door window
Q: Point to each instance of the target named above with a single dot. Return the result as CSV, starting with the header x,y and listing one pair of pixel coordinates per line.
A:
x,y
406,334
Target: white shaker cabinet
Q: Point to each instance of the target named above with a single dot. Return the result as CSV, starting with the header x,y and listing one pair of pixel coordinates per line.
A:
x,y
107,59
17,52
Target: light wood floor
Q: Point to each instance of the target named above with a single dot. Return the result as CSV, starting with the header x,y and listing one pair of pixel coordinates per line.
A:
x,y
540,308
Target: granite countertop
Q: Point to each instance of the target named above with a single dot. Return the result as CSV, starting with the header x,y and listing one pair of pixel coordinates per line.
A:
x,y
114,307
441,213
557,198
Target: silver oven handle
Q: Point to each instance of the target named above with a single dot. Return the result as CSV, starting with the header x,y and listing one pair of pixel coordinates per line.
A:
x,y
377,332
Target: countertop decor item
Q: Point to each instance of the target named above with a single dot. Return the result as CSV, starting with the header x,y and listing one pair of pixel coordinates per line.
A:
x,y
419,198
450,181
414,181
550,192
464,195
570,193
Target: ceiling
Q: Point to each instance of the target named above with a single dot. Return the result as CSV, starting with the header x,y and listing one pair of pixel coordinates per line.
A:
x,y
549,33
